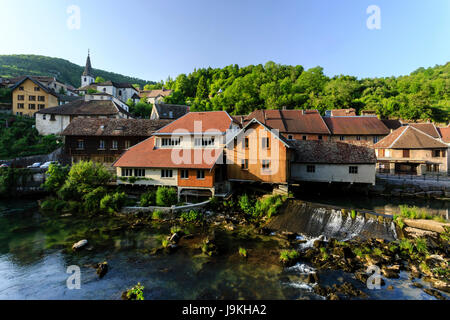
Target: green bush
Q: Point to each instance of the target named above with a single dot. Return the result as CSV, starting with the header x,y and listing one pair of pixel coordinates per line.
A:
x,y
166,197
157,215
92,200
192,216
136,293
243,252
113,203
288,255
264,207
56,177
148,199
53,205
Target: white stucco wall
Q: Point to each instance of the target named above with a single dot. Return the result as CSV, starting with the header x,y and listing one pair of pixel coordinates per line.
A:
x,y
155,176
334,173
47,126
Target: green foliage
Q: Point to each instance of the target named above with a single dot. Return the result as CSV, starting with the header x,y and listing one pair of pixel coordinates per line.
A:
x,y
264,207
166,197
157,215
141,110
67,72
53,205
288,255
165,243
424,94
85,176
113,203
416,213
56,177
11,178
5,95
18,138
136,293
243,252
324,253
148,199
353,214
92,200
99,80
192,216
175,229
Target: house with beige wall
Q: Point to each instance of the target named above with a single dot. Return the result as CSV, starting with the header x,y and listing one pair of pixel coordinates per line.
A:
x,y
29,96
409,150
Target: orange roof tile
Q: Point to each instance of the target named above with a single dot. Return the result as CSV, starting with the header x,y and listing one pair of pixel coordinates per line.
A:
x,y
197,122
429,128
145,155
408,137
445,134
361,125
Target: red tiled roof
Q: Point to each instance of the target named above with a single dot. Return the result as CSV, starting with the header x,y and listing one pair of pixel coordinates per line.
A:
x,y
408,137
358,126
218,121
291,121
429,128
144,155
445,134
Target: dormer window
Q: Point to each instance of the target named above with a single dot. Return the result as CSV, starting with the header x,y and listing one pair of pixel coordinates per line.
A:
x,y
120,92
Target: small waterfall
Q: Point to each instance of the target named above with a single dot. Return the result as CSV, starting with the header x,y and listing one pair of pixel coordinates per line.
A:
x,y
313,220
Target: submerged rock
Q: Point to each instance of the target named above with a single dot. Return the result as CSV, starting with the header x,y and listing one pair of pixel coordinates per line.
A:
x,y
80,244
434,293
102,269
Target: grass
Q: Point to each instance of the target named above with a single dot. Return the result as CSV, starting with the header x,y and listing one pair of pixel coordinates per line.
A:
x,y
417,213
243,252
288,255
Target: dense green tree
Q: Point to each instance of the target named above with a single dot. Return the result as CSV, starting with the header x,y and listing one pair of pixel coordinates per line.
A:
x,y
99,80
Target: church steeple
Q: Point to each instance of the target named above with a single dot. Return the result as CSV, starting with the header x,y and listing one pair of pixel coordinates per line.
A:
x,y
87,77
88,68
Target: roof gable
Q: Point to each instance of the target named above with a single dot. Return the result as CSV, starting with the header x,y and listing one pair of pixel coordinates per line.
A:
x,y
212,121
409,137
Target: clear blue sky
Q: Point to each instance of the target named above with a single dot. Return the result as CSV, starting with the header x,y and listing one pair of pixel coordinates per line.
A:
x,y
156,38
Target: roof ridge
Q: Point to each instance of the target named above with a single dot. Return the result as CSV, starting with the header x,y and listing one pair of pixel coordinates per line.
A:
x,y
393,142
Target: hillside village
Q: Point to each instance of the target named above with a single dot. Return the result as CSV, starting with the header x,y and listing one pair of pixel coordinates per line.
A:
x,y
207,153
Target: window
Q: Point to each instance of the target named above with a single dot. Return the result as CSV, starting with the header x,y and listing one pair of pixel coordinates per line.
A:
x,y
311,169
353,169
246,143
44,117
290,137
436,153
127,144
244,164
165,142
265,143
381,153
320,137
127,172
20,106
37,89
41,98
184,174
84,79
31,106
41,106
32,98
304,137
166,173
171,114
266,164
139,172
405,153
200,174
120,92
104,89
21,97
114,145
204,142
52,117
376,139
21,89
341,138
80,144
358,138
102,145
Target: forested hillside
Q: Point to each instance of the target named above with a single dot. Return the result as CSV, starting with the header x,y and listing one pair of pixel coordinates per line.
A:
x,y
65,71
424,94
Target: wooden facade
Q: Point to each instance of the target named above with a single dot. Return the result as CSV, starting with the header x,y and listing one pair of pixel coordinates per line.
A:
x,y
102,149
253,161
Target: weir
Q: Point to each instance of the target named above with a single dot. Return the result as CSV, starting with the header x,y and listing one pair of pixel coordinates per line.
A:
x,y
313,220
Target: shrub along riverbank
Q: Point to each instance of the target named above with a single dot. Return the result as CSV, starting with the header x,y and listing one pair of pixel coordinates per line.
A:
x,y
82,188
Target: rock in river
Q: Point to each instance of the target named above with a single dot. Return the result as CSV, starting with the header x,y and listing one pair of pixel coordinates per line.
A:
x,y
102,269
80,244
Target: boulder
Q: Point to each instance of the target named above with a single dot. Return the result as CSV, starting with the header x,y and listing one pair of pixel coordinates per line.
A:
x,y
392,272
440,285
434,293
102,269
175,237
80,244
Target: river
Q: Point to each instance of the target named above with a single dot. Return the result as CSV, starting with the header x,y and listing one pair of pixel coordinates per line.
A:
x,y
35,255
